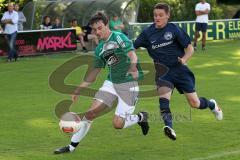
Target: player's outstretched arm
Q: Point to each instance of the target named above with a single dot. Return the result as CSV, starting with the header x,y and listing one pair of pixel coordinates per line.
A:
x,y
88,80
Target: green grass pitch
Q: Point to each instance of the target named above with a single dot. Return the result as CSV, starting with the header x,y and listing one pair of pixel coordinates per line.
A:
x,y
29,127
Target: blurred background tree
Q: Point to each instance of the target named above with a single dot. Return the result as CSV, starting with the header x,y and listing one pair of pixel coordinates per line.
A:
x,y
183,10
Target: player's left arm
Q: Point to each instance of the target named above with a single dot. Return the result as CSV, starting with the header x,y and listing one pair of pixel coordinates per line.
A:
x,y
185,41
188,54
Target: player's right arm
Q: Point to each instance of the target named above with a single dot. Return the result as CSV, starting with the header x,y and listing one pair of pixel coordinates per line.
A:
x,y
88,80
141,41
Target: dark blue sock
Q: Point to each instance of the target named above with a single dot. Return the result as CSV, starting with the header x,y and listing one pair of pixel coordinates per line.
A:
x,y
74,144
165,111
204,103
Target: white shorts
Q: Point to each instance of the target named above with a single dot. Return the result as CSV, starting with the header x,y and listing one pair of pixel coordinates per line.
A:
x,y
126,93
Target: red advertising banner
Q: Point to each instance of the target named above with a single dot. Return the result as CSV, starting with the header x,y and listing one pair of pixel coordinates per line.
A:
x,y
41,42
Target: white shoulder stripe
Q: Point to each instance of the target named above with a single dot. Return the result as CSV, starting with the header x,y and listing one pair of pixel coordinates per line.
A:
x,y
120,41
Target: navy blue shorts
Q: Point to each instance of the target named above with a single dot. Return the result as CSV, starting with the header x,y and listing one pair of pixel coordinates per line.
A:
x,y
201,27
179,77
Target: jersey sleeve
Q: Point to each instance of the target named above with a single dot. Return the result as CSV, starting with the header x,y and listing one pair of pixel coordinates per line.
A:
x,y
209,7
197,7
4,16
124,43
182,37
141,41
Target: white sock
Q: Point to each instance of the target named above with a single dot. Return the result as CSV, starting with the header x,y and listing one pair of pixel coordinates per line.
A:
x,y
131,120
78,136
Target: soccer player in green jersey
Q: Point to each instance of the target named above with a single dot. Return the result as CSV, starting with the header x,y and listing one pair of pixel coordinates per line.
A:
x,y
116,52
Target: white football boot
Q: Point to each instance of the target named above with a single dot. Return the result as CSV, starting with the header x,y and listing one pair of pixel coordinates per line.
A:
x,y
217,110
169,132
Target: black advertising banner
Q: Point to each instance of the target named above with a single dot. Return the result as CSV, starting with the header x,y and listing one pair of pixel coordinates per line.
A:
x,y
41,42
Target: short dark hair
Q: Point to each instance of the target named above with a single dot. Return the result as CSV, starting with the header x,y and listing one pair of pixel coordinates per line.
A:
x,y
163,6
99,16
73,20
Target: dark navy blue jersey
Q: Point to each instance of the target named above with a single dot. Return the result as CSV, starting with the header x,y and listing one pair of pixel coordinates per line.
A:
x,y
164,45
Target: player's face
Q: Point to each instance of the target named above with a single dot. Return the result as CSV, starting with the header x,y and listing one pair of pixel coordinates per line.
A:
x,y
101,30
160,17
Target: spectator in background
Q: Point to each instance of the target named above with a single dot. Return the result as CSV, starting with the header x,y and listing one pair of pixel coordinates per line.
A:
x,y
88,34
202,10
57,23
21,17
10,20
116,24
79,33
46,23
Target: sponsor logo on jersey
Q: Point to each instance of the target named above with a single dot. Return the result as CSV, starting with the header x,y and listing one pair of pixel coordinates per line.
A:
x,y
161,45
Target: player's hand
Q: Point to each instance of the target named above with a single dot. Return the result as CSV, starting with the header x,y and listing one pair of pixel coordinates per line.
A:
x,y
75,96
182,60
134,72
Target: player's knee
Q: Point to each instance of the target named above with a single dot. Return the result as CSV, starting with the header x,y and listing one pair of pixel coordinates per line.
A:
x,y
118,125
194,103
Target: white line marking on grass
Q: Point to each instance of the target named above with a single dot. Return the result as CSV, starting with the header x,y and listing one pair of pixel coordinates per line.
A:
x,y
218,155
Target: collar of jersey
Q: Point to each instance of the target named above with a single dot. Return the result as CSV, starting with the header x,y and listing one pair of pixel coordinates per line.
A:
x,y
104,42
108,37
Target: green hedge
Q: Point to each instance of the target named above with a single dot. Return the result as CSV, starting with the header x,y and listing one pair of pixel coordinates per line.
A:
x,y
181,10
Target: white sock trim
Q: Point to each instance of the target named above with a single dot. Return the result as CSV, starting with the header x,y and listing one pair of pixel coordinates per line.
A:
x,y
71,148
131,120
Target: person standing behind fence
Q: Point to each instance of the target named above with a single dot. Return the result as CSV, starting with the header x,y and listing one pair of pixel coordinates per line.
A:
x,y
10,19
202,10
21,17
46,23
116,24
57,23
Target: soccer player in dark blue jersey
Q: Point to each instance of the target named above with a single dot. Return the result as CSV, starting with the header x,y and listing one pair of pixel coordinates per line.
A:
x,y
170,48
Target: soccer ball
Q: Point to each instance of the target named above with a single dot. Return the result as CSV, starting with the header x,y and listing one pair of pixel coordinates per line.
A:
x,y
70,122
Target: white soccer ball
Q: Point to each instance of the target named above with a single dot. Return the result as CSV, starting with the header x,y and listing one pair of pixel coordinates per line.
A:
x,y
70,122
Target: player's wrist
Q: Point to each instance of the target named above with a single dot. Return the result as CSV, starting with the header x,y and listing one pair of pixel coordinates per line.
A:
x,y
133,67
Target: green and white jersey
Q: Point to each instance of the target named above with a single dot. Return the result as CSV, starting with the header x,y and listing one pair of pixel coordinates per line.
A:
x,y
114,53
